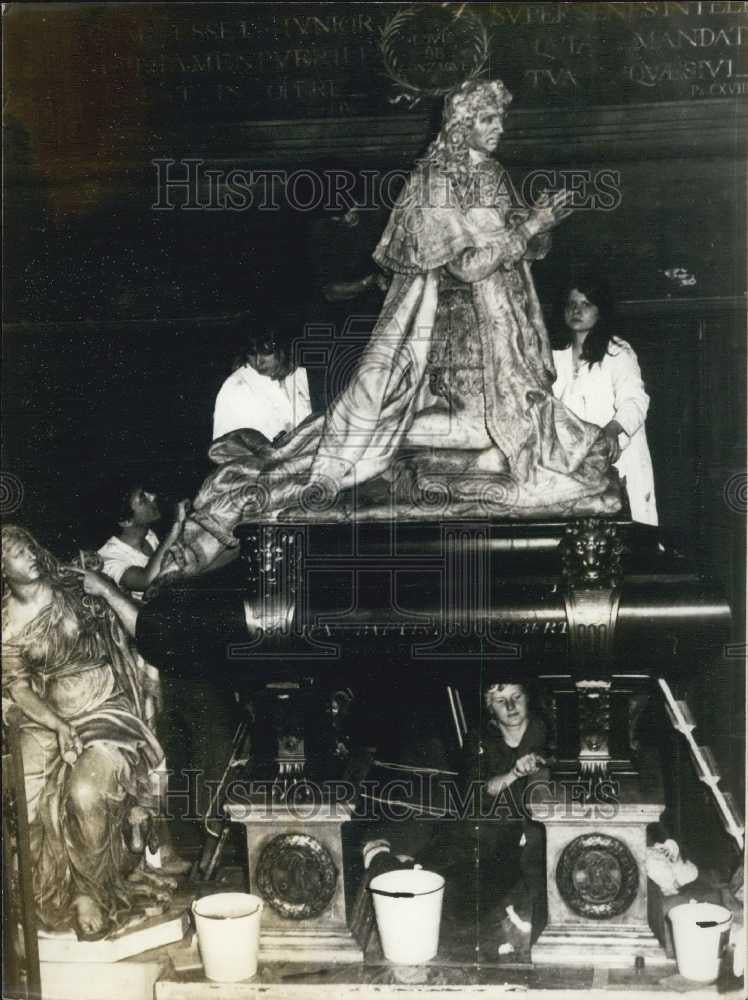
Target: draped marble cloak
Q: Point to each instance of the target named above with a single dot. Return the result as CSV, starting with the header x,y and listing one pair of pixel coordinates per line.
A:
x,y
91,677
551,462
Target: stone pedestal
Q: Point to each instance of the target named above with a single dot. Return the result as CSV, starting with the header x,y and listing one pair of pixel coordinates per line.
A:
x,y
127,964
597,884
295,859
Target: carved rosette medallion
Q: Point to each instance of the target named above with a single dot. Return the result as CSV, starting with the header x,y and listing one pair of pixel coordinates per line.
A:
x,y
296,875
597,876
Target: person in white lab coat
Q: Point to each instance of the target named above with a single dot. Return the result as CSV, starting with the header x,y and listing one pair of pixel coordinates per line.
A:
x,y
264,392
598,378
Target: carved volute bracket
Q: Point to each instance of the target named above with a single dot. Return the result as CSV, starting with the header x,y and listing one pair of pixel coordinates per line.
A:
x,y
591,570
271,555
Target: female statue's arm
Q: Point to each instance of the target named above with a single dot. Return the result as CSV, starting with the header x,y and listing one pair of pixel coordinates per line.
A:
x,y
35,708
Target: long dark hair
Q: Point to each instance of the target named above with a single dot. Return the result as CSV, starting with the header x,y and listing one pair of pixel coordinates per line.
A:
x,y
267,336
596,289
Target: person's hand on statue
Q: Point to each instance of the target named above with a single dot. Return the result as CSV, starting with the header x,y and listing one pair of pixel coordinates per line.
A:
x,y
94,583
69,742
548,212
181,511
99,585
612,430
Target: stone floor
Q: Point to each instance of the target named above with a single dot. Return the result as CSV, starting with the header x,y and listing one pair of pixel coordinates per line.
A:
x,y
447,975
174,972
278,981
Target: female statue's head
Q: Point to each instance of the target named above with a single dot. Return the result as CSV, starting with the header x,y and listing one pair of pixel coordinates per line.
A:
x,y
472,119
23,559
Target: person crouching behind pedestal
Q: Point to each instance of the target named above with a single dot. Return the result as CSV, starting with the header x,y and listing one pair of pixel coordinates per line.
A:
x,y
505,759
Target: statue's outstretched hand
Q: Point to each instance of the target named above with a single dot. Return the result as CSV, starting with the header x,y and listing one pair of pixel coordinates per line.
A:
x,y
549,211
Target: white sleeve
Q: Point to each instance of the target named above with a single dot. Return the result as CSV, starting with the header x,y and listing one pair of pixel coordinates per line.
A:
x,y
115,563
630,399
226,414
301,383
255,407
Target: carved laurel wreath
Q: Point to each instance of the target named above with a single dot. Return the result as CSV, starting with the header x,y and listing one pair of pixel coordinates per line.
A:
x,y
461,28
296,875
597,876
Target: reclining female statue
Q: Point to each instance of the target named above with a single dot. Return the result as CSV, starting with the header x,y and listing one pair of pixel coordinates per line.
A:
x,y
78,694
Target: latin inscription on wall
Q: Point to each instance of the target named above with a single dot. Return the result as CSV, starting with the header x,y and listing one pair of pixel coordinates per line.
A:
x,y
237,61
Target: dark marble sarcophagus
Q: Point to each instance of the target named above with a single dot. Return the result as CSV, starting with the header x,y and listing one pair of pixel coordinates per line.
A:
x,y
408,622
407,606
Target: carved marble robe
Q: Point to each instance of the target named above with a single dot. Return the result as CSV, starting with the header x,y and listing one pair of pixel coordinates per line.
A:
x,y
89,675
535,459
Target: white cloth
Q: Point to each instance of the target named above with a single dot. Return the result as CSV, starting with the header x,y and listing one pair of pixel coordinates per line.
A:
x,y
666,867
118,556
250,400
614,390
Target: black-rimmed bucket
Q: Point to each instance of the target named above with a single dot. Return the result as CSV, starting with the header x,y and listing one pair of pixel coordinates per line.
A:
x,y
408,907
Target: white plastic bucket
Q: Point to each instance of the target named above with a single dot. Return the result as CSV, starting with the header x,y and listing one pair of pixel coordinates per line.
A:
x,y
408,907
228,933
700,933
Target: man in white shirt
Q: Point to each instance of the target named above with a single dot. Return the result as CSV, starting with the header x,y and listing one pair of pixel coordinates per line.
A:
x,y
263,393
133,557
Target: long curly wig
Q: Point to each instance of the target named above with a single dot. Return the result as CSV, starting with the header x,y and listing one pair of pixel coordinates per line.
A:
x,y
450,151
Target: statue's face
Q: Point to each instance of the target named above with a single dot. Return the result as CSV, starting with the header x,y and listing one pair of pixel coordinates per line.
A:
x,y
487,129
19,562
508,705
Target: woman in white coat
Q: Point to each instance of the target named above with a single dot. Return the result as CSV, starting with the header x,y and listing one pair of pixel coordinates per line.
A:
x,y
598,378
